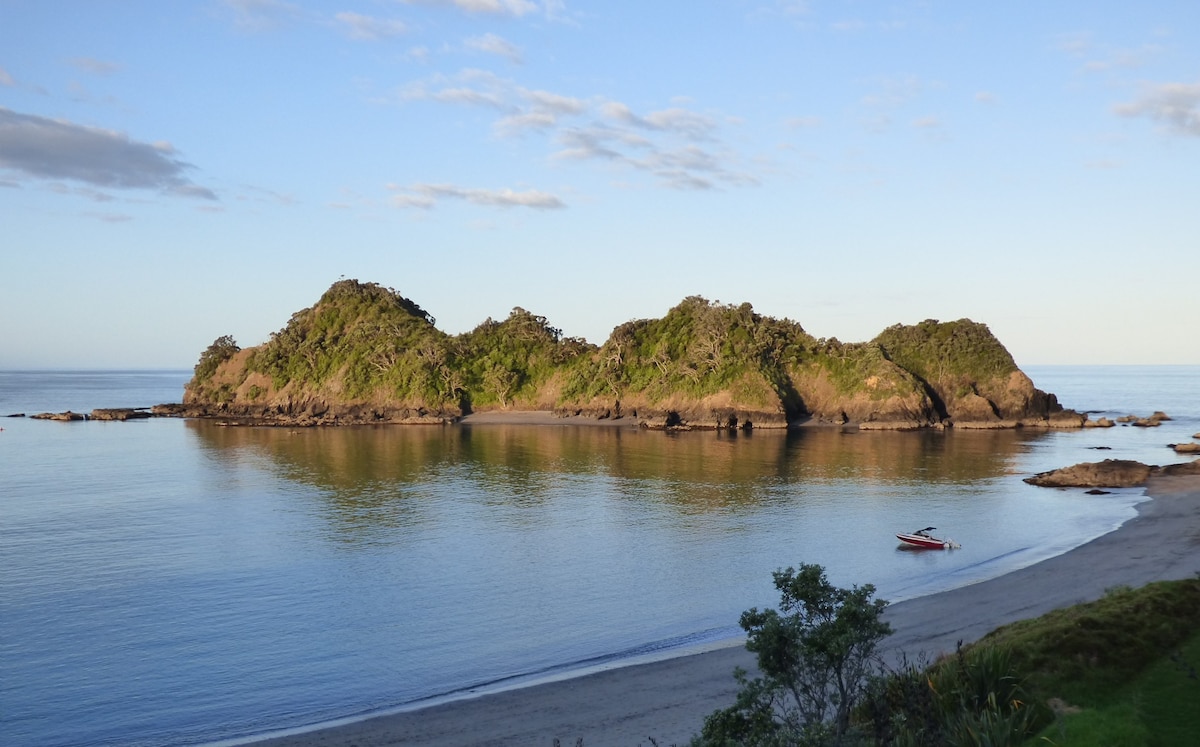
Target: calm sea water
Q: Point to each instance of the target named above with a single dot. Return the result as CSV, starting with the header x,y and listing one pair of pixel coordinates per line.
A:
x,y
175,582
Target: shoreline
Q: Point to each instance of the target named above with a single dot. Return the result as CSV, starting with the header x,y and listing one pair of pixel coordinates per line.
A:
x,y
667,700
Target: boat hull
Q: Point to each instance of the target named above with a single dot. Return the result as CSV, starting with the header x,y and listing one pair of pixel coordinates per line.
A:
x,y
927,543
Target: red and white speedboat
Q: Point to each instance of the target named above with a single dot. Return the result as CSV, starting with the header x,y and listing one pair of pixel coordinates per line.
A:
x,y
923,539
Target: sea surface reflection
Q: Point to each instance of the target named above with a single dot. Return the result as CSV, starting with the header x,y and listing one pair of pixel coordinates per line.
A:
x,y
172,581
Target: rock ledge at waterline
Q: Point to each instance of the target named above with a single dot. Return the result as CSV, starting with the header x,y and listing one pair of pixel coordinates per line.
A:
x,y
365,354
1110,473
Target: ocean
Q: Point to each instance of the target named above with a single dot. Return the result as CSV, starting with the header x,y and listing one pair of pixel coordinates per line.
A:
x,y
174,582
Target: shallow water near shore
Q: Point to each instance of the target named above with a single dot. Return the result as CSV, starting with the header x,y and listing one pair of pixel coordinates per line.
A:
x,y
176,582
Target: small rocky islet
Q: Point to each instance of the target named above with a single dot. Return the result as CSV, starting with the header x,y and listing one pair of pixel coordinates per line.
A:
x,y
365,354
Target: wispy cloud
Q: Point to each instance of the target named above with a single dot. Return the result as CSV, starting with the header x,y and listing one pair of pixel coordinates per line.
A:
x,y
674,119
784,8
537,110
427,196
680,146
110,217
493,44
804,123
1123,59
521,107
358,26
1075,44
56,149
1176,105
1096,57
552,102
262,15
890,95
94,66
90,193
598,142
678,165
514,8
6,79
894,91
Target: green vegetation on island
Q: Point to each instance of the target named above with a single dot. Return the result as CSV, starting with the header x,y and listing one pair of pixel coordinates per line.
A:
x,y
364,353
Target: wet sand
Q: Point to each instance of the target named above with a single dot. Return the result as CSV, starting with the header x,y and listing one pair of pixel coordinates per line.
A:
x,y
667,700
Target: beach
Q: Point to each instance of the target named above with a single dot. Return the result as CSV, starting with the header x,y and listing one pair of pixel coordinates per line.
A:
x,y
665,702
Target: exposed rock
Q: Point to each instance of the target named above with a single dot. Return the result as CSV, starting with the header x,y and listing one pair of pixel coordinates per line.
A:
x,y
62,416
1101,423
1148,422
1065,419
120,413
1187,468
711,419
973,408
976,425
1111,473
21,415
1098,491
891,425
1185,448
307,413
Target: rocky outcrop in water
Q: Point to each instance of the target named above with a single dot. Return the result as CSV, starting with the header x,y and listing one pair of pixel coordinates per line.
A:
x,y
306,414
1153,421
66,416
1111,473
120,413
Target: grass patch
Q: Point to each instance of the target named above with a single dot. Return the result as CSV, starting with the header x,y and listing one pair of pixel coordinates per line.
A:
x,y
1115,726
1089,652
1127,665
1169,696
1160,708
1121,671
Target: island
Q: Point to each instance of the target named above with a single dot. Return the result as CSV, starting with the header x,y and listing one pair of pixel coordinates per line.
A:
x,y
363,353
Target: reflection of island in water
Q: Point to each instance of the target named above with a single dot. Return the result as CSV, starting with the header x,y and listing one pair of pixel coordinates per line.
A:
x,y
379,476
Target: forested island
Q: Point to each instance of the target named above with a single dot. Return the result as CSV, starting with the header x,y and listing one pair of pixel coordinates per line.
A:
x,y
365,354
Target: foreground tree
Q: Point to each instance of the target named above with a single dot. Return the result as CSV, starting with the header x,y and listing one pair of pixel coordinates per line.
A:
x,y
815,656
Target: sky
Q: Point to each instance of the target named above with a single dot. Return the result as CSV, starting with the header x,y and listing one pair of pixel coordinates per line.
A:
x,y
171,172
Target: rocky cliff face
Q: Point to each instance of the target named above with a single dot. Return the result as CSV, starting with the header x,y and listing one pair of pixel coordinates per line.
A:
x,y
364,354
971,378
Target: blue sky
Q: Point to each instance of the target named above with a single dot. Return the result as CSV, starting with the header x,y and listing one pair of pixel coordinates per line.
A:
x,y
174,171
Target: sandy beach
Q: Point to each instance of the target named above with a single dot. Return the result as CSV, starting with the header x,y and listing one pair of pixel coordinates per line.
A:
x,y
667,700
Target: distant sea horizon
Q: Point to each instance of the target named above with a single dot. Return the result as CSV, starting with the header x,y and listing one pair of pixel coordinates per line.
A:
x,y
175,582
